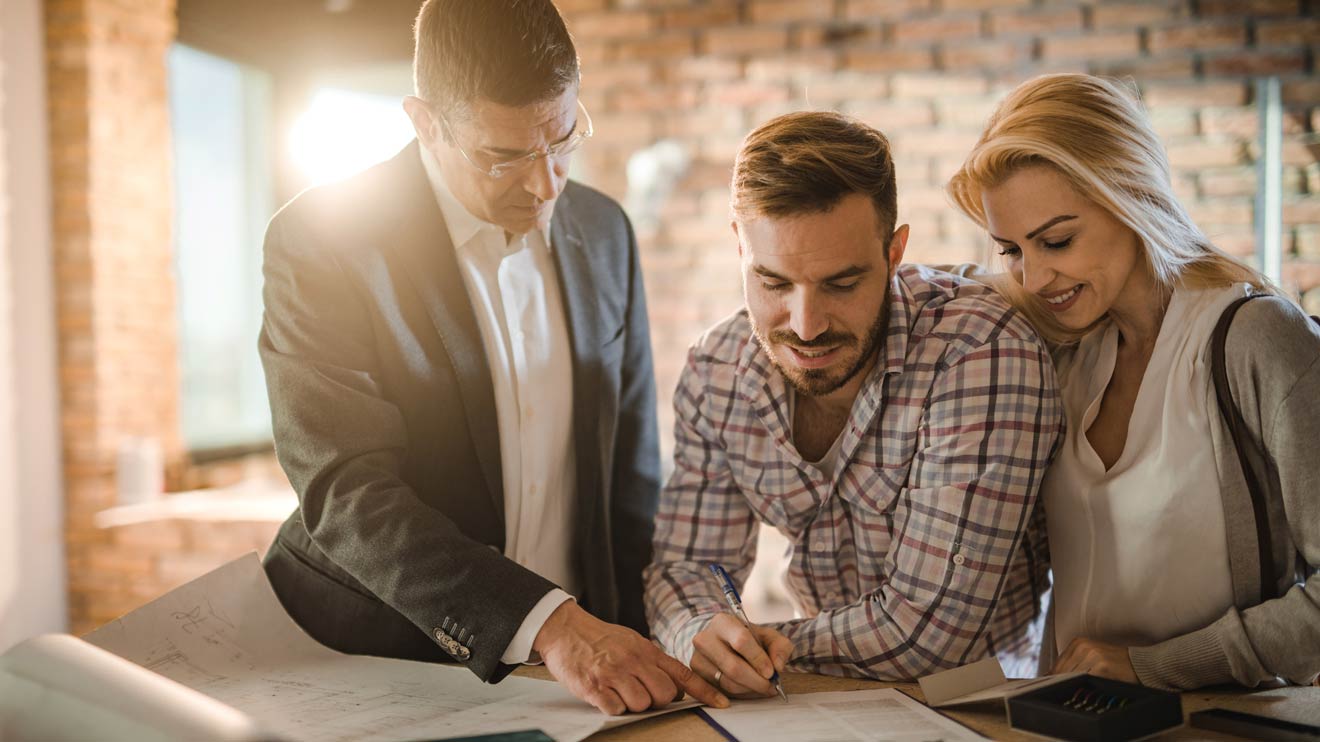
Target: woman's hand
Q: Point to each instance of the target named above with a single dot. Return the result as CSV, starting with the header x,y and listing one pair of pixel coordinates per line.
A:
x,y
1097,658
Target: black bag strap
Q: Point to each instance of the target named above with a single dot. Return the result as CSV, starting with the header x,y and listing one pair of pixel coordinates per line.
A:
x,y
1242,442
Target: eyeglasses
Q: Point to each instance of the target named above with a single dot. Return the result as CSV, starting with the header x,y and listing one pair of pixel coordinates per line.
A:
x,y
582,131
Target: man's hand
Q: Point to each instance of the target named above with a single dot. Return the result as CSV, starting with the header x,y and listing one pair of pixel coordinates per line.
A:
x,y
1096,658
739,659
613,668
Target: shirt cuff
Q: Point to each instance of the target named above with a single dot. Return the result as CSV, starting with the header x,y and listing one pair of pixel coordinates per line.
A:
x,y
520,648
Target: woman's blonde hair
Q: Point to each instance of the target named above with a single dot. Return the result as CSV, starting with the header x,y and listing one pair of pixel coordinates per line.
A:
x,y
1096,134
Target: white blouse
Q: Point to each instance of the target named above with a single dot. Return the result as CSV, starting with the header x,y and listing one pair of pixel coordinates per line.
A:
x,y
1139,551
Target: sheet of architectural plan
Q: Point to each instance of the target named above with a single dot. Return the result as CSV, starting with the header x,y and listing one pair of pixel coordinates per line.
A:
x,y
882,715
226,635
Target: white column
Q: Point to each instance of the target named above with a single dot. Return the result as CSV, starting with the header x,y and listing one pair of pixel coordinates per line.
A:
x,y
32,571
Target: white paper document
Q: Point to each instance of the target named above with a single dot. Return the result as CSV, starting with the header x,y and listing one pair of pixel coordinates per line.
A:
x,y
881,715
980,682
227,636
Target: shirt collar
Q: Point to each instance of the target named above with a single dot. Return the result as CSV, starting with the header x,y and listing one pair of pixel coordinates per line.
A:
x,y
463,225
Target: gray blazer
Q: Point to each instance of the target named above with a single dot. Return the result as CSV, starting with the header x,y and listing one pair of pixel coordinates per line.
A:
x,y
384,418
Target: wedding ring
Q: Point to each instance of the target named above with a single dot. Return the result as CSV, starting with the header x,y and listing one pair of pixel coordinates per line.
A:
x,y
718,674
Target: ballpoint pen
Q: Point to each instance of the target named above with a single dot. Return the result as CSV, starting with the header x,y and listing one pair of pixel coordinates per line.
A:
x,y
735,605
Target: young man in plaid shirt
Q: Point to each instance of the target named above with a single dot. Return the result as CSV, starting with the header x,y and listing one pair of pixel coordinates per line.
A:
x,y
893,422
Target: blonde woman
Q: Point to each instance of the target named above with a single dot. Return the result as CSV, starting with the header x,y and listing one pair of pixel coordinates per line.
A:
x,y
1152,536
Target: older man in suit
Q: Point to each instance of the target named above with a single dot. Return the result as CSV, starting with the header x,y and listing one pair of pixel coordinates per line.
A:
x,y
456,348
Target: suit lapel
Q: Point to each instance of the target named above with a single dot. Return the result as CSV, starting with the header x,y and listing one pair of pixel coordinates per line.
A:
x,y
582,312
432,267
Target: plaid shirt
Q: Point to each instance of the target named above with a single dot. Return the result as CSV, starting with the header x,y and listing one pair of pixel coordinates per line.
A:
x,y
921,553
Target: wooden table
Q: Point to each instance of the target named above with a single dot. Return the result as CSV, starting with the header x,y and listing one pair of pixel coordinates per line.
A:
x,y
1294,704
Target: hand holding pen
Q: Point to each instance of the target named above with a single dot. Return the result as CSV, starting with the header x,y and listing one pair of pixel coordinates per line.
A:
x,y
734,654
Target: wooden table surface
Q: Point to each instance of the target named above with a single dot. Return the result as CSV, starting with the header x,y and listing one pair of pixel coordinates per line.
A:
x,y
1294,704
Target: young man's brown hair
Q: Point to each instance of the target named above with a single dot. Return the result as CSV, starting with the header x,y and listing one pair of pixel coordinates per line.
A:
x,y
806,162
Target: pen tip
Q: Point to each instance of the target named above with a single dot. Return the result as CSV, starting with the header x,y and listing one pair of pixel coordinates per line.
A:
x,y
782,694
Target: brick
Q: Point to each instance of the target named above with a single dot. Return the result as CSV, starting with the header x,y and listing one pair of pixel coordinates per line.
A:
x,y
1242,121
1301,92
615,24
1305,210
1238,181
847,35
570,7
699,16
1037,22
1222,212
1297,181
1290,32
848,85
664,45
745,40
984,55
1267,62
941,28
701,69
1304,275
1110,15
746,93
788,11
965,113
1300,150
871,10
606,77
911,85
954,6
1099,45
653,98
1306,241
1240,8
1238,241
1149,69
1311,302
933,142
1171,121
792,66
889,116
1208,93
148,538
1199,36
1201,153
890,59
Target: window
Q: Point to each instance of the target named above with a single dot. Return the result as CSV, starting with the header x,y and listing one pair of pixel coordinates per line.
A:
x,y
223,198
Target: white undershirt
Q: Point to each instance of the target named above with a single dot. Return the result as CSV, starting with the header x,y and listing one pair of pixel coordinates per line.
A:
x,y
829,464
1139,552
514,289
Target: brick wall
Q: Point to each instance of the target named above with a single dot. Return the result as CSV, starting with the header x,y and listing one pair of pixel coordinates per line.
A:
x,y
928,72
111,206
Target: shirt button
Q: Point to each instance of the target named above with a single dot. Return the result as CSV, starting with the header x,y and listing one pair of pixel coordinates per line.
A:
x,y
819,546
958,559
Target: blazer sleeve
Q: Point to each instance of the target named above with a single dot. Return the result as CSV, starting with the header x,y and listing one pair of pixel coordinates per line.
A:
x,y
1273,360
342,444
636,469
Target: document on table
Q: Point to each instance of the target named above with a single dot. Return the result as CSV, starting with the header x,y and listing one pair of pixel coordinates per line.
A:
x,y
881,715
227,636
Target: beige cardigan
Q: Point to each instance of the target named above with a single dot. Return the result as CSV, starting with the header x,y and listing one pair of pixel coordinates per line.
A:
x,y
1273,362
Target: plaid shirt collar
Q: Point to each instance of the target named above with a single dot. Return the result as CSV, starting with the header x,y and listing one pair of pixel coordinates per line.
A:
x,y
766,392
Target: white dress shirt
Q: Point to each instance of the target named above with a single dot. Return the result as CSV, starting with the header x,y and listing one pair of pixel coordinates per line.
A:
x,y
514,289
1139,551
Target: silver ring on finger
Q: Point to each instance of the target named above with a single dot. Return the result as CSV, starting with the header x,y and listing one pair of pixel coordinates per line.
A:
x,y
718,674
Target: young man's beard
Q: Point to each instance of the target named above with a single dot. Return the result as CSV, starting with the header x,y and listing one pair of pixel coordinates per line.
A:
x,y
819,382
